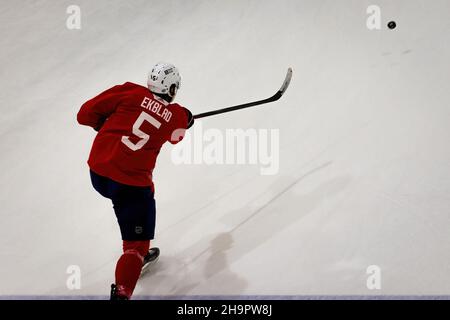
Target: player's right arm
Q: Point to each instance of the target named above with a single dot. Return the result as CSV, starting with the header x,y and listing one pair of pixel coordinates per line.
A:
x,y
94,112
190,118
185,120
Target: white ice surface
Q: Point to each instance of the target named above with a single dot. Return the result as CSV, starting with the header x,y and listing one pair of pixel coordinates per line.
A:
x,y
364,173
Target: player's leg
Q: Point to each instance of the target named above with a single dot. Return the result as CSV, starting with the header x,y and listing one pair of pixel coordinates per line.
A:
x,y
128,268
101,184
136,214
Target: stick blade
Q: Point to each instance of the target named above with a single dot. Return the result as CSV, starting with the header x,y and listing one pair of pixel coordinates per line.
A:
x,y
286,82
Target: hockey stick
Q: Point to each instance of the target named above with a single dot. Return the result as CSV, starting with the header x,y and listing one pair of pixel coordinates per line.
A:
x,y
273,98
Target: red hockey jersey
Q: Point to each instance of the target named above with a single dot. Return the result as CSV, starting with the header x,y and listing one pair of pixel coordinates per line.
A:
x,y
132,126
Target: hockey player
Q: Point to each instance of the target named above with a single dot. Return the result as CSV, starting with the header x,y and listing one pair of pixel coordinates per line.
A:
x,y
133,122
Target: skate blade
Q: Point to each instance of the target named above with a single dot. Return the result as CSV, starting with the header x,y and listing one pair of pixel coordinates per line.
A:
x,y
147,266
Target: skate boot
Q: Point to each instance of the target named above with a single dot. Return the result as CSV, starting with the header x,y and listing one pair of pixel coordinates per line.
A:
x,y
116,294
150,259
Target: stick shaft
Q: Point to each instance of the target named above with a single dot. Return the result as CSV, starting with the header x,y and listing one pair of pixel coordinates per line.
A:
x,y
273,98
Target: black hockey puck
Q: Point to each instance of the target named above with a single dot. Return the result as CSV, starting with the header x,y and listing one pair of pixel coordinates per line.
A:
x,y
392,25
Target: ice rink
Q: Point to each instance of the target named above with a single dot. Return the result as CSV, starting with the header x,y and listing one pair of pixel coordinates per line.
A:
x,y
364,147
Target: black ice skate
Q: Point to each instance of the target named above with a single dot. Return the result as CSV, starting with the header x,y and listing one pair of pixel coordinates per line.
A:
x,y
115,295
150,259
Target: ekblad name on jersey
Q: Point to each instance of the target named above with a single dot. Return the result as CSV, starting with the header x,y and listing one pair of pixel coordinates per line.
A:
x,y
133,125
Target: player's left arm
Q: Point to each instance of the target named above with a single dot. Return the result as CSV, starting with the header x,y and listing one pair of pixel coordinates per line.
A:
x,y
96,111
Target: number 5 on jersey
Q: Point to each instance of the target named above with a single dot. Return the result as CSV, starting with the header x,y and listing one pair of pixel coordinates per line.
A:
x,y
139,133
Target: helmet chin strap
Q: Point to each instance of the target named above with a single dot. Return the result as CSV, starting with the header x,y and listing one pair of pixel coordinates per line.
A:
x,y
170,95
165,97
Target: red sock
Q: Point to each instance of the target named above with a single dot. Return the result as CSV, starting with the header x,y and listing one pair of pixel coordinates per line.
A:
x,y
129,266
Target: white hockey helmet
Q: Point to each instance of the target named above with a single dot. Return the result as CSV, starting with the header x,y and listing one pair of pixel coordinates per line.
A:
x,y
164,78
